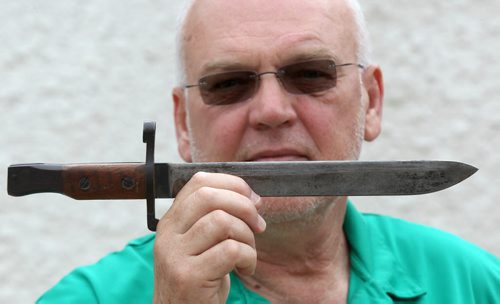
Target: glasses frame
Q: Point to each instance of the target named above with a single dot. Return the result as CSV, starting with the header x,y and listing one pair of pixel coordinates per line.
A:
x,y
279,73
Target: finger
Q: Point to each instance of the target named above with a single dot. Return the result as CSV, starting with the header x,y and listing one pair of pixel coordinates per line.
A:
x,y
224,257
215,227
216,180
206,199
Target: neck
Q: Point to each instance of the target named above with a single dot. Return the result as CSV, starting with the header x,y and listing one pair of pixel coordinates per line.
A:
x,y
304,259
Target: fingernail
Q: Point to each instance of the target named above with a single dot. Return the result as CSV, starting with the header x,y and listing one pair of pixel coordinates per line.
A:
x,y
261,223
254,197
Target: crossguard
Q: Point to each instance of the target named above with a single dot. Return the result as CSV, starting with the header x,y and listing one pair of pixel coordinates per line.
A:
x,y
148,137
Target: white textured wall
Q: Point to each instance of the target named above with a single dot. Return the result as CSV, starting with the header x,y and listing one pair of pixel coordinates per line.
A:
x,y
78,78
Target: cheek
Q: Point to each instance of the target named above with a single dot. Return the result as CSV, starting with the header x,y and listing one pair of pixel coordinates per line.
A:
x,y
216,132
333,125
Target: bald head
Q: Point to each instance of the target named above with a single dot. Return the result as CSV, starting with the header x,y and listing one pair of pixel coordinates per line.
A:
x,y
201,15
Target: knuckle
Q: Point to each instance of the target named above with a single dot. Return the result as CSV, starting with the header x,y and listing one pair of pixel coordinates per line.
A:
x,y
248,210
205,193
238,253
199,178
220,218
231,248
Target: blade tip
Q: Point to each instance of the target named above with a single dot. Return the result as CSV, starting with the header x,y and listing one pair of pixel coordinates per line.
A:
x,y
469,170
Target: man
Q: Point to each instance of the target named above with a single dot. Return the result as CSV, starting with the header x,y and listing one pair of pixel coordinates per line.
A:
x,y
281,81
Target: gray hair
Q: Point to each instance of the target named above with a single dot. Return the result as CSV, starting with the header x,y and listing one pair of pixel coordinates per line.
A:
x,y
364,55
179,43
363,39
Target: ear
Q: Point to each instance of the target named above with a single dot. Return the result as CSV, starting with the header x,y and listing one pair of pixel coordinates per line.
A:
x,y
374,85
181,128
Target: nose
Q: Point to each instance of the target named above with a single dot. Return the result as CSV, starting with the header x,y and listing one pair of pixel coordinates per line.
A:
x,y
271,106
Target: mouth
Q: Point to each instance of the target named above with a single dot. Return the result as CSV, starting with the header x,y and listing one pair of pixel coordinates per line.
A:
x,y
278,155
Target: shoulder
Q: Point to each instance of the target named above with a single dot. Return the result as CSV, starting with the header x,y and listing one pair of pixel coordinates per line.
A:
x,y
119,277
440,260
408,237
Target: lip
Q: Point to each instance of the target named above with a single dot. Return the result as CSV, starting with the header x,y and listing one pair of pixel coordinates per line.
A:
x,y
278,155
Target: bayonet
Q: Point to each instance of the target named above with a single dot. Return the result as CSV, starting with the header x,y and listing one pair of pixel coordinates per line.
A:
x,y
151,180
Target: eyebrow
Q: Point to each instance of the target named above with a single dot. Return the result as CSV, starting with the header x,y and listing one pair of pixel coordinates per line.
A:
x,y
222,65
320,53
232,65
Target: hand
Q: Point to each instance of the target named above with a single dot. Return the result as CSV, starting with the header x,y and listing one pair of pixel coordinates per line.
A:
x,y
207,232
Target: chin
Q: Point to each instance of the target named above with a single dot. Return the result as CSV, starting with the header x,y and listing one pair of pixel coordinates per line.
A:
x,y
281,210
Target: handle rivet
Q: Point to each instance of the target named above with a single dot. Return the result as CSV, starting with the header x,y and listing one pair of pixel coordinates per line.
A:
x,y
128,183
84,183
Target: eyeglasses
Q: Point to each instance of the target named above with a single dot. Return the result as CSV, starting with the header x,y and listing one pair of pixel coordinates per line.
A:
x,y
299,78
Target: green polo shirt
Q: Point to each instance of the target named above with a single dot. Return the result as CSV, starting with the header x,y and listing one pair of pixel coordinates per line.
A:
x,y
392,261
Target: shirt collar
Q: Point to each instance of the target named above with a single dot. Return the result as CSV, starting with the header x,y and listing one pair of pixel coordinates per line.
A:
x,y
375,270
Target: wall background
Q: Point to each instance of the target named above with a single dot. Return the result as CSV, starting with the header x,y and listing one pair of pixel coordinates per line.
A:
x,y
78,78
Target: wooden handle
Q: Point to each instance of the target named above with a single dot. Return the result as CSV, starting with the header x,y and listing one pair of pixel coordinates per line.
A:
x,y
104,181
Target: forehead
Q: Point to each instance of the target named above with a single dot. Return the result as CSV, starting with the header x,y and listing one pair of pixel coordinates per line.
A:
x,y
263,32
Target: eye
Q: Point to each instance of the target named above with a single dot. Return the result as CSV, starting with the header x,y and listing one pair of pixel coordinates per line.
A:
x,y
226,81
226,84
309,77
309,74
227,88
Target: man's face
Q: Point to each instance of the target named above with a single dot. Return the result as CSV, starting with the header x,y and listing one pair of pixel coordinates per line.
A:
x,y
260,36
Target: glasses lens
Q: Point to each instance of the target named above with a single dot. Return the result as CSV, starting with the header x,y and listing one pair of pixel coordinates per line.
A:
x,y
309,77
227,88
